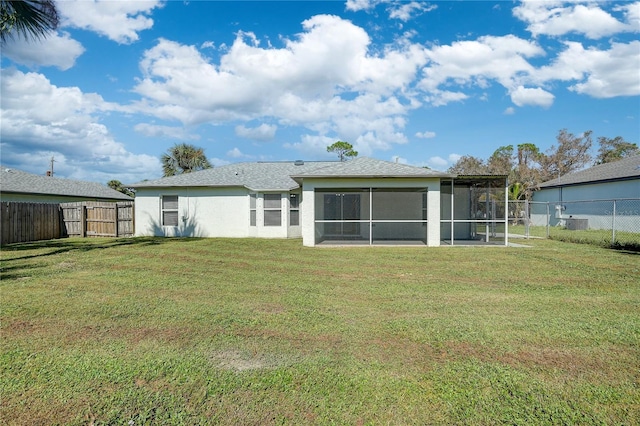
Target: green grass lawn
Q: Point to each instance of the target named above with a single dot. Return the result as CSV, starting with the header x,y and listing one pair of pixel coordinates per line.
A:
x,y
600,237
228,331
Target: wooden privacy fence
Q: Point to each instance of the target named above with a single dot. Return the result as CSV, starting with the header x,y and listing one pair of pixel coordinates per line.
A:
x,y
29,222
23,222
98,219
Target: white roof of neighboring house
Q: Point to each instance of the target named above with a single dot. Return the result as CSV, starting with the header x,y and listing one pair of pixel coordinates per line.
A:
x,y
625,169
17,181
284,176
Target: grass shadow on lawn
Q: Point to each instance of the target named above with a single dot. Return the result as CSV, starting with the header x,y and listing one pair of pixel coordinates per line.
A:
x,y
85,244
48,248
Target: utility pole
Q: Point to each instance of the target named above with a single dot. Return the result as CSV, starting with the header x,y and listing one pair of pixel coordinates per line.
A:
x,y
50,171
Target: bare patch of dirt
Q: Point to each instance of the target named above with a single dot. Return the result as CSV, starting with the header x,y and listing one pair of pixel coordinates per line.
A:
x,y
237,360
66,265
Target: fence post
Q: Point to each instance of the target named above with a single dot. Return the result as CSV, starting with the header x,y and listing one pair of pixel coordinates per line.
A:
x,y
548,219
613,224
526,218
116,221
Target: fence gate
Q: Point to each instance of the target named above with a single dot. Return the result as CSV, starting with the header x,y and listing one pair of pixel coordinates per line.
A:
x,y
98,219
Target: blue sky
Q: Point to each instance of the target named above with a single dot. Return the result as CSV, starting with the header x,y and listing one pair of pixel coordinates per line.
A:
x,y
421,83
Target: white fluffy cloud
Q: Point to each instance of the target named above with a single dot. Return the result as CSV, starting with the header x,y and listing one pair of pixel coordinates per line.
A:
x,y
439,163
167,132
476,63
263,132
556,18
298,84
366,99
120,21
357,5
426,135
58,50
236,153
40,120
598,73
536,96
405,11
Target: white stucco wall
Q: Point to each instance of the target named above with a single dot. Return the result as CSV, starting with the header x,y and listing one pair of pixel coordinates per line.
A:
x,y
308,209
208,212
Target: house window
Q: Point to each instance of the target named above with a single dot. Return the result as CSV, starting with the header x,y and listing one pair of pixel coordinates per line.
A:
x,y
294,209
272,210
169,210
252,209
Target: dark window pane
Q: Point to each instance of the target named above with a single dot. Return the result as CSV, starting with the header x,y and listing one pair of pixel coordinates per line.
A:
x,y
252,218
170,218
272,218
170,202
272,201
294,201
294,218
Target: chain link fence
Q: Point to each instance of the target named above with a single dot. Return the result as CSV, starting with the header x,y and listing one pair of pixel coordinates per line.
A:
x,y
604,222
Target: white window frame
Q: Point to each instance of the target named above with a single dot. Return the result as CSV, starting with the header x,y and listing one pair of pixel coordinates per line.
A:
x,y
168,209
267,207
295,209
253,210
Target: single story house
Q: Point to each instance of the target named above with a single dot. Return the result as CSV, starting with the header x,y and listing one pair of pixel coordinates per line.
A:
x,y
588,195
362,201
16,185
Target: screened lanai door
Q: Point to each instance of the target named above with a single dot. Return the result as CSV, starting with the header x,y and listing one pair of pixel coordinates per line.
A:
x,y
371,216
342,210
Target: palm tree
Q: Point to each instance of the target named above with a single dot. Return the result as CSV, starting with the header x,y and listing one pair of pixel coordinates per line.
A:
x,y
184,158
32,19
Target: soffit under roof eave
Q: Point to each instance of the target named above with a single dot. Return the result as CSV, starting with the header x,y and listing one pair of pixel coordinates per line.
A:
x,y
183,186
299,178
291,188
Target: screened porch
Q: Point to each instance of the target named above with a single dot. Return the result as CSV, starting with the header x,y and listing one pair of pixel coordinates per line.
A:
x,y
371,216
472,211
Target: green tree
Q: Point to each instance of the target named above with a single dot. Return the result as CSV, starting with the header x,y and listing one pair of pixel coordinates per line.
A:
x,y
118,186
184,158
569,155
469,165
527,172
615,149
33,19
501,161
343,149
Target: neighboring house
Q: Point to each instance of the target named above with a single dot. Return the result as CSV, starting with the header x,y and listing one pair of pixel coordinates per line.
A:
x,y
585,194
362,201
16,185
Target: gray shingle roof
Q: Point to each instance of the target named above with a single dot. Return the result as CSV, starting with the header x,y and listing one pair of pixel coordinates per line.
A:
x,y
627,168
282,176
17,181
369,167
262,176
